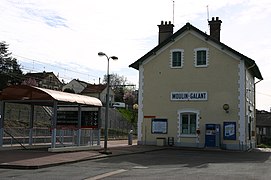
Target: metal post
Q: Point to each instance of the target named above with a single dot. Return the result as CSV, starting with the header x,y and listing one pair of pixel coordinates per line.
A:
x,y
2,114
31,125
53,143
99,137
99,125
79,125
106,113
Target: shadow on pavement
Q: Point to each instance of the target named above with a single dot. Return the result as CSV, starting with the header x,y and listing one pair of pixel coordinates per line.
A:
x,y
190,158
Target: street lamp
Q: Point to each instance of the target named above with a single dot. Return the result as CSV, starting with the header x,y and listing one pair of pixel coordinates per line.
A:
x,y
107,103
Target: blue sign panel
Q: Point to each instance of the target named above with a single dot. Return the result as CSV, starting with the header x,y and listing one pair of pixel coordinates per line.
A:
x,y
229,131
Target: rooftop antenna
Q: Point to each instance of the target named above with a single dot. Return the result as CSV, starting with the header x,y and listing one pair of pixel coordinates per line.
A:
x,y
173,11
208,16
207,12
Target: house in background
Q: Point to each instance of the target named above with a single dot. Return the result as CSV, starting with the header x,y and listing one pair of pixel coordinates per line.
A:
x,y
75,85
99,91
263,125
195,91
44,80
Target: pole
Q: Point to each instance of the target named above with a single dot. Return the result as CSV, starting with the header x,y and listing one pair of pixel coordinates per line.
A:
x,y
105,151
106,111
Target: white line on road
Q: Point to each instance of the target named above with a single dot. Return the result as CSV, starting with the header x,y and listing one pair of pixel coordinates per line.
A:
x,y
140,167
107,174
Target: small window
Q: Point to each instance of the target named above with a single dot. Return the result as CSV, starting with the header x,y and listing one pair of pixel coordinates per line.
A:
x,y
50,79
176,60
201,57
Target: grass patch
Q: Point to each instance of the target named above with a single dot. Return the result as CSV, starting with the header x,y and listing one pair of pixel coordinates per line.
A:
x,y
263,146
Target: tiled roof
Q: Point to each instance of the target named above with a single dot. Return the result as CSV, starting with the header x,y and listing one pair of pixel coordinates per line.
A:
x,y
38,75
94,88
81,82
249,62
263,118
42,75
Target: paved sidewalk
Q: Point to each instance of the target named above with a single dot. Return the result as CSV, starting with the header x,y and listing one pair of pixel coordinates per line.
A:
x,y
41,158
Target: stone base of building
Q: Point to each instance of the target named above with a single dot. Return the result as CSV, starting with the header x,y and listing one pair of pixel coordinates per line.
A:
x,y
234,147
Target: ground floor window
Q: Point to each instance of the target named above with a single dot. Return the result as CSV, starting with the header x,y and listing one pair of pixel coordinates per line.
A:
x,y
188,123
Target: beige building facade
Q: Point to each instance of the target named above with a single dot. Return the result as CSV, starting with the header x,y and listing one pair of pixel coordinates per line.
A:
x,y
195,91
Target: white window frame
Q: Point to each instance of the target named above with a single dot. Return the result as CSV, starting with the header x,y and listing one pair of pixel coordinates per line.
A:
x,y
207,57
171,58
188,111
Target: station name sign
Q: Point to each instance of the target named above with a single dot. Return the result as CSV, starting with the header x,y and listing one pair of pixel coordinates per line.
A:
x,y
189,96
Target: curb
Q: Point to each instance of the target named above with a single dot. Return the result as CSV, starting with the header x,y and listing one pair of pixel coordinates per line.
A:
x,y
98,156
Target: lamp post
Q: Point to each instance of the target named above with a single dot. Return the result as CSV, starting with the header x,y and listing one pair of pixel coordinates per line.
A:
x,y
105,151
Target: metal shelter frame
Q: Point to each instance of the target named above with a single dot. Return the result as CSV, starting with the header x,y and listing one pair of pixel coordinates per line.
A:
x,y
24,94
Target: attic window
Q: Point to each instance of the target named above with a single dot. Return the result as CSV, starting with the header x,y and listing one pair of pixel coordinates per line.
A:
x,y
50,79
176,58
201,57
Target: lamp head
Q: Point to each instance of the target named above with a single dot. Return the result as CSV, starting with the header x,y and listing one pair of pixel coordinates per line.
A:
x,y
135,106
101,54
114,58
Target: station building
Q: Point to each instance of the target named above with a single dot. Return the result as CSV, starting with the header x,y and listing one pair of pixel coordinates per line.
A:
x,y
195,91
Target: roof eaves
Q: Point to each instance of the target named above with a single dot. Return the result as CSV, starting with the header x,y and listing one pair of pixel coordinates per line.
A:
x,y
248,61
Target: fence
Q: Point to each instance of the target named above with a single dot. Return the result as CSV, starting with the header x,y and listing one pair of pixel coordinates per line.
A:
x,y
20,136
42,136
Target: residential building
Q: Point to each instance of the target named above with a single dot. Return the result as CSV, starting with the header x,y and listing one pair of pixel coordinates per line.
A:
x,y
99,91
195,91
76,85
263,125
44,80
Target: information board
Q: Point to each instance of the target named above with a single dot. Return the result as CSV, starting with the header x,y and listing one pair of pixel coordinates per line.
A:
x,y
89,119
159,126
229,131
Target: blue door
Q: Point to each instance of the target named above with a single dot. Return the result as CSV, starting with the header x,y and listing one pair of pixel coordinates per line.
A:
x,y
210,135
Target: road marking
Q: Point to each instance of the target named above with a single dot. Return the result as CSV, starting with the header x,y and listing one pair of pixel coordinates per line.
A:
x,y
140,167
107,174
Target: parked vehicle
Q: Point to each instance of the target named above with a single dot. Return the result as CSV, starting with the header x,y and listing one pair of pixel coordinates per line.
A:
x,y
118,105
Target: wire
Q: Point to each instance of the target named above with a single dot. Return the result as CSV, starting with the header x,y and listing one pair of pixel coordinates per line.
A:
x,y
269,95
59,68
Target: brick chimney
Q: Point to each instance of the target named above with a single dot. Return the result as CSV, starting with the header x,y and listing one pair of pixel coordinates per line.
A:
x,y
165,30
215,26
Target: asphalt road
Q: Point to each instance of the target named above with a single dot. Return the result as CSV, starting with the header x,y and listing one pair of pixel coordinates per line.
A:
x,y
162,164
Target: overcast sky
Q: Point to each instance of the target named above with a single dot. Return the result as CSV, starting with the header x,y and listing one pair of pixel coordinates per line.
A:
x,y
65,36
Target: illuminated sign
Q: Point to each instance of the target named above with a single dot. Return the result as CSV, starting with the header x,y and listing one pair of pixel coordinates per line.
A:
x,y
189,96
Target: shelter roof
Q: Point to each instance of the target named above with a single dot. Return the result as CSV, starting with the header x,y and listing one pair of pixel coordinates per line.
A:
x,y
24,93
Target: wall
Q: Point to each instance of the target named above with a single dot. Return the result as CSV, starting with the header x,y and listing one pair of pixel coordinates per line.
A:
x,y
220,79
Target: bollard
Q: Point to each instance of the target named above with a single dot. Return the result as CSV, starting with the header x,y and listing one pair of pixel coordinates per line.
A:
x,y
130,137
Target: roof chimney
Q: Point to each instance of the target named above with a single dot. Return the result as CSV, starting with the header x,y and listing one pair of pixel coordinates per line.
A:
x,y
215,25
165,30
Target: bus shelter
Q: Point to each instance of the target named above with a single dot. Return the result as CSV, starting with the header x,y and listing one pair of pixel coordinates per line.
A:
x,y
35,96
